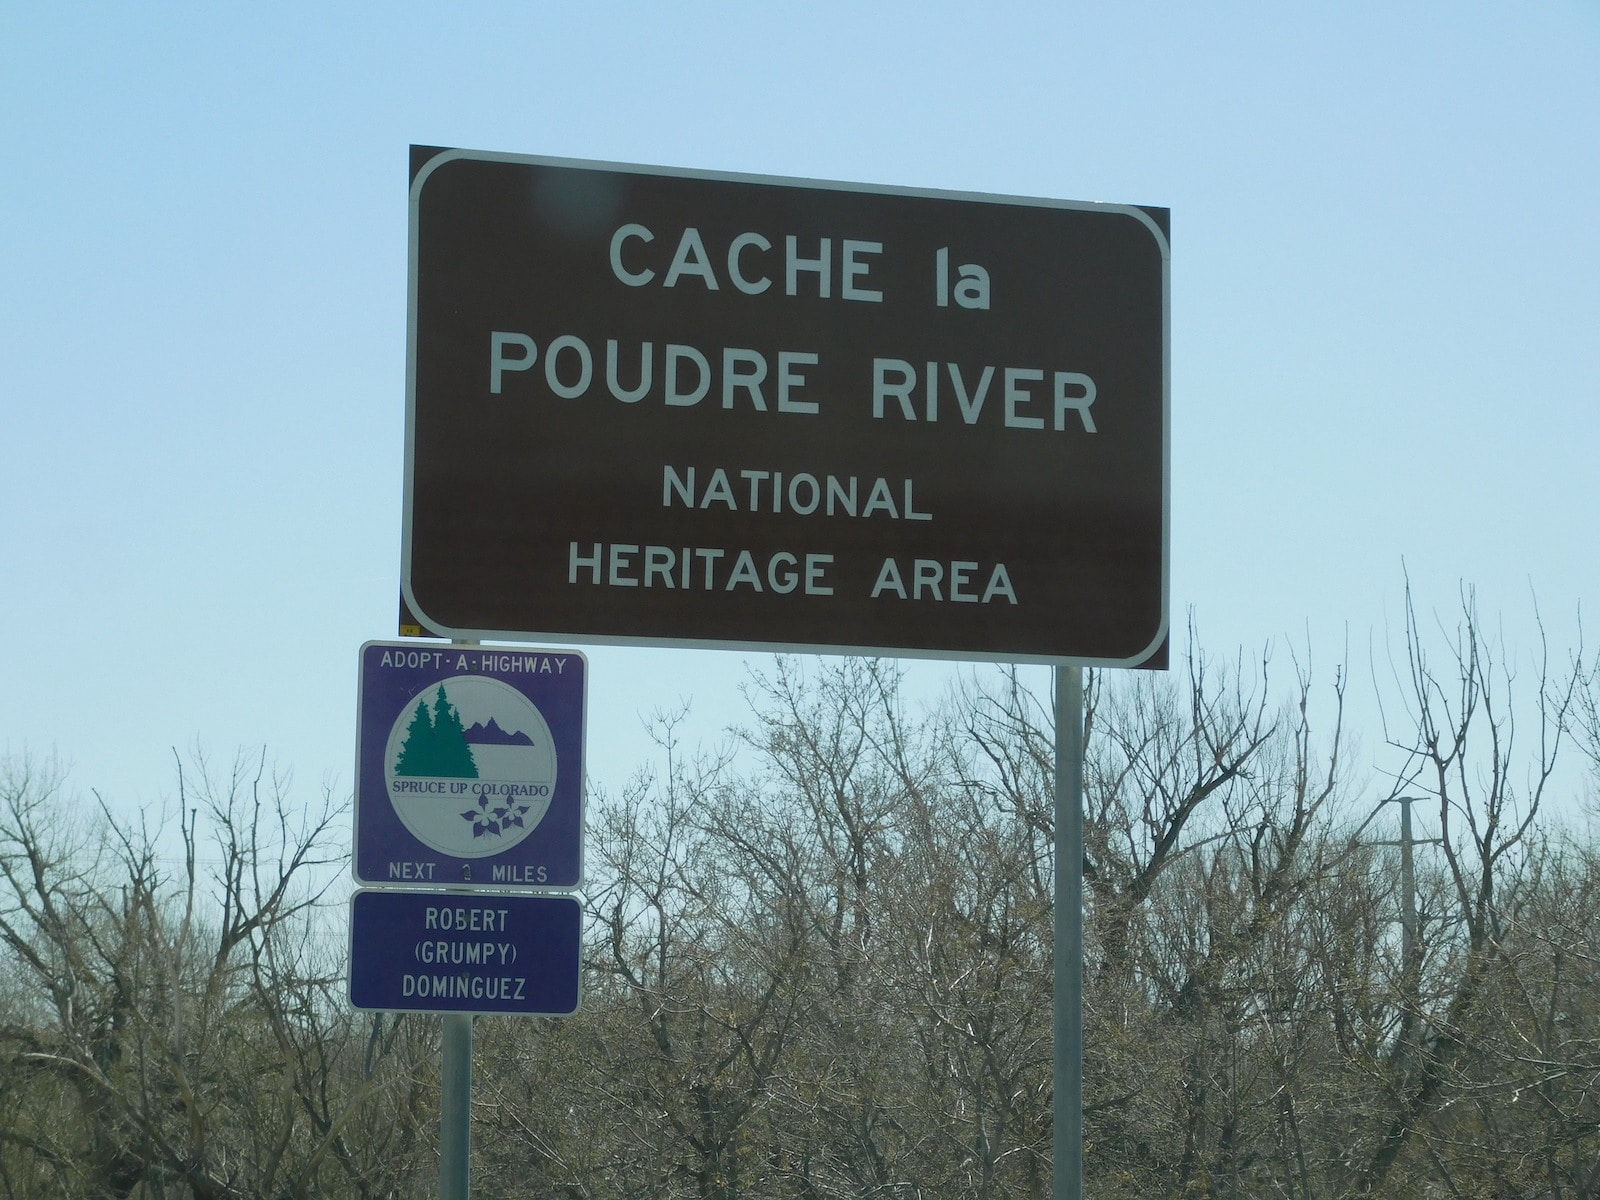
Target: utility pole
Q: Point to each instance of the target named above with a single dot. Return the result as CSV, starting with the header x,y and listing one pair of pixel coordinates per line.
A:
x,y
1410,967
1410,932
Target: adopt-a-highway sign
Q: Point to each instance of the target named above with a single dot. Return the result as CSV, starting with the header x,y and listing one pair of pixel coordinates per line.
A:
x,y
469,766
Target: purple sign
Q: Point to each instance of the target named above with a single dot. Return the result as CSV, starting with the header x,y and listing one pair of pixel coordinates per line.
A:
x,y
469,766
471,952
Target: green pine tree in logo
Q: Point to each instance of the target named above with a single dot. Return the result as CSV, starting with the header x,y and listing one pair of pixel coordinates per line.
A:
x,y
413,759
435,743
455,756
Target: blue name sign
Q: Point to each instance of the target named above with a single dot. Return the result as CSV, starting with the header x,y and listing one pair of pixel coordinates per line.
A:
x,y
458,952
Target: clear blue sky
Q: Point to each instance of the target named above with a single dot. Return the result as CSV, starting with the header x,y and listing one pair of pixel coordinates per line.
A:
x,y
1386,308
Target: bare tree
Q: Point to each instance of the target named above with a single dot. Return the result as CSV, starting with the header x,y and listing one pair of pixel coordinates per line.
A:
x,y
178,1025
1484,746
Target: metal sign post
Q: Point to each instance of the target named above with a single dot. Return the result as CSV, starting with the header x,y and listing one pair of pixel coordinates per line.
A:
x,y
1068,1136
455,1108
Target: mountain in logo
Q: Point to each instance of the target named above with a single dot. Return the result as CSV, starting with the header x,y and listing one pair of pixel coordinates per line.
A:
x,y
479,734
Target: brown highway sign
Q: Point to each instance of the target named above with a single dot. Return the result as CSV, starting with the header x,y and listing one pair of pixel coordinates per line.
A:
x,y
672,407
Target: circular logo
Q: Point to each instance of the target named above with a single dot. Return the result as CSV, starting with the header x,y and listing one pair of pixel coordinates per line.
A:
x,y
470,766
